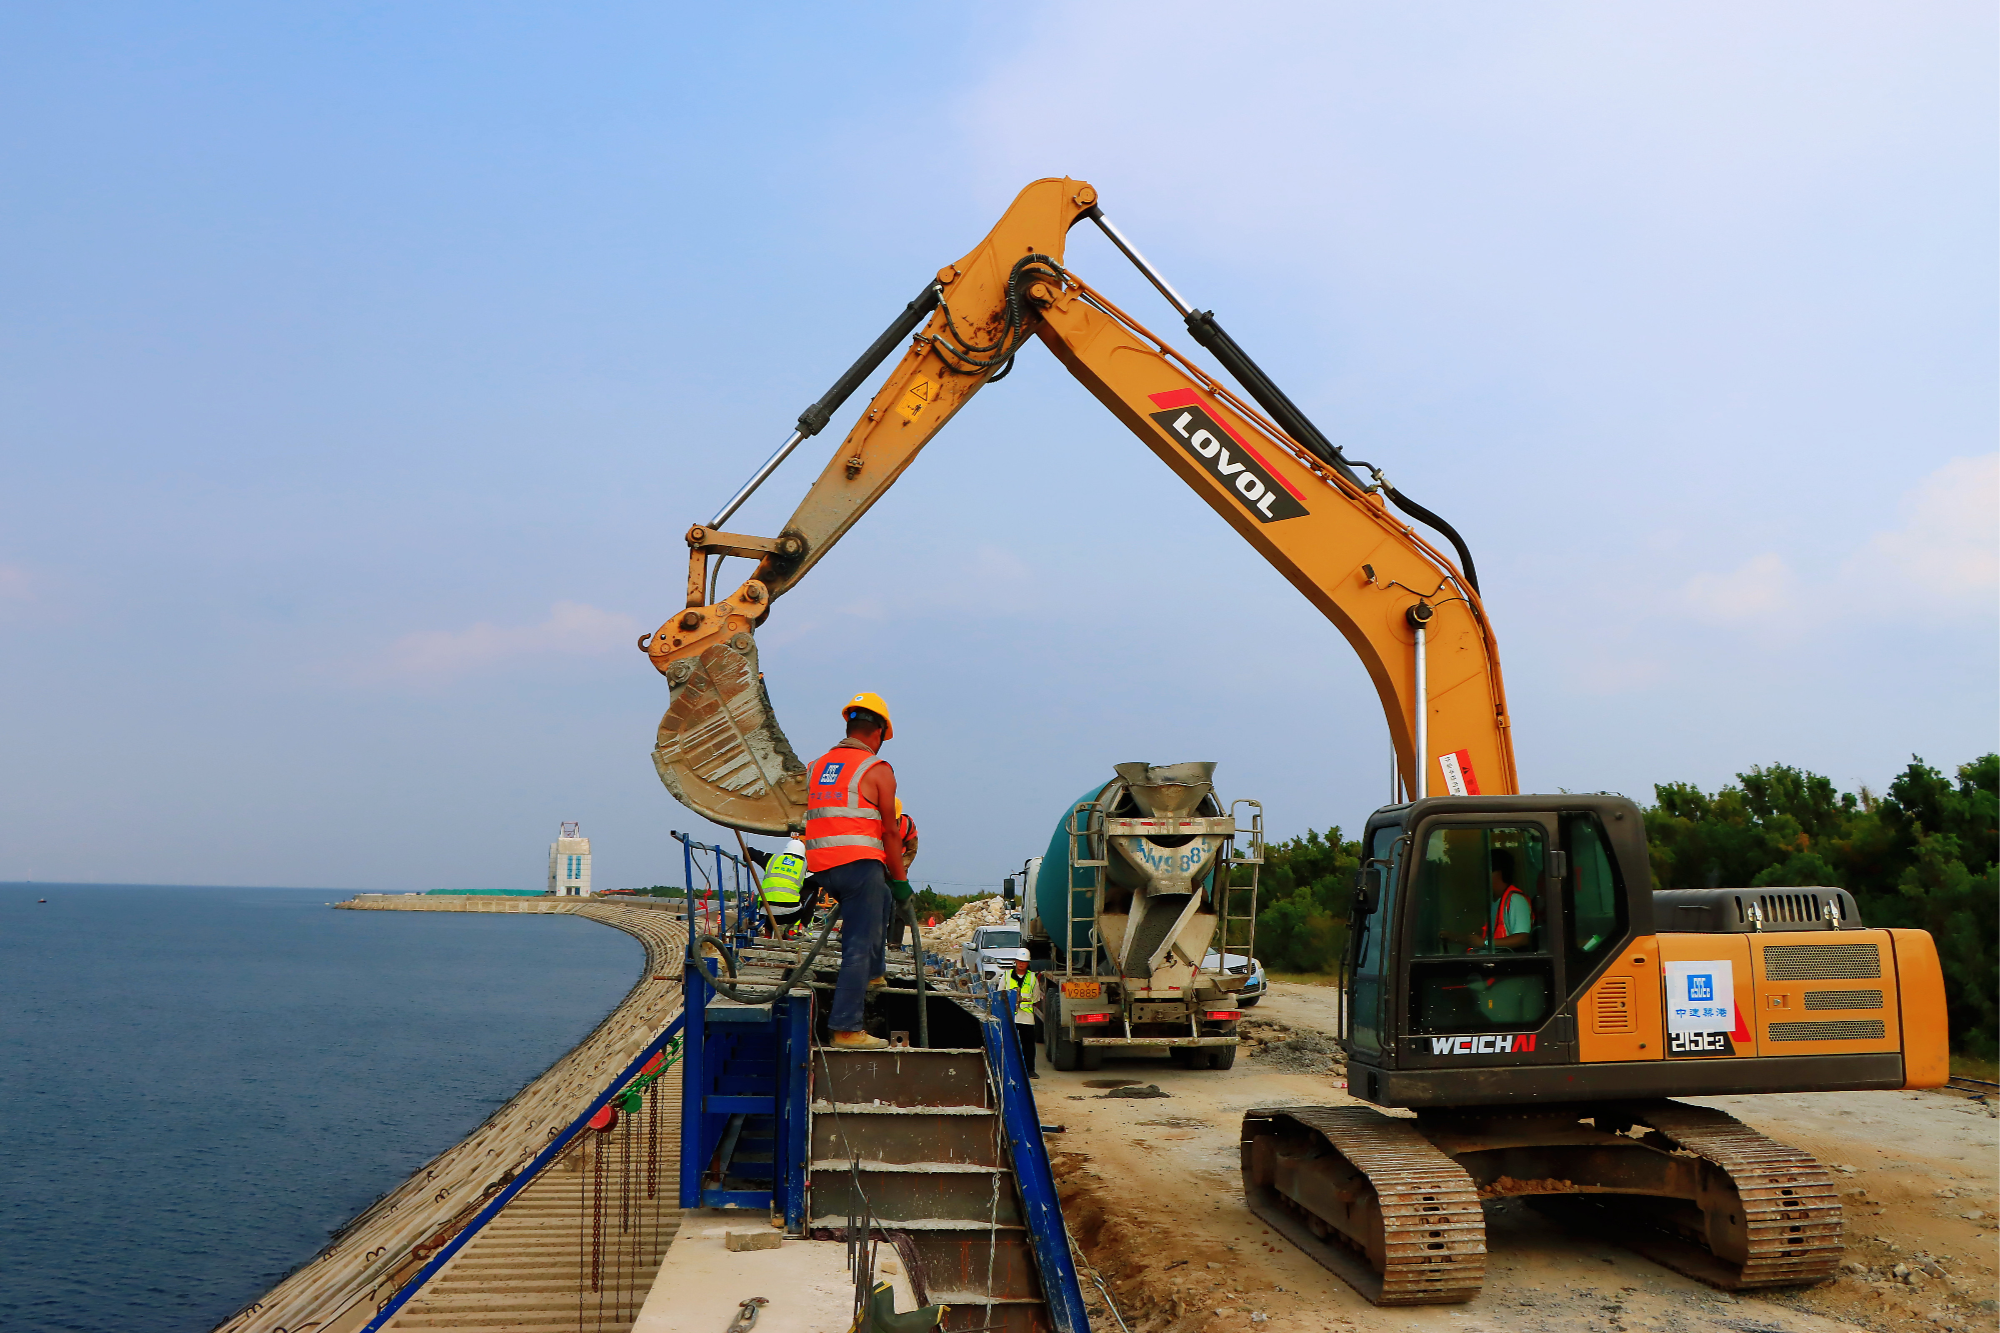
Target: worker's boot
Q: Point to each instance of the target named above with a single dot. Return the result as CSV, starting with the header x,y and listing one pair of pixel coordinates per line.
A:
x,y
876,983
857,1041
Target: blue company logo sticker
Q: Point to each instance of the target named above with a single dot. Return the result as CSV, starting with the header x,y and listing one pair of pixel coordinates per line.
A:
x,y
829,775
1701,986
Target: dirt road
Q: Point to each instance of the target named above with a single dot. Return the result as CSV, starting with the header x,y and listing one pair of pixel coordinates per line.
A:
x,y
1153,1192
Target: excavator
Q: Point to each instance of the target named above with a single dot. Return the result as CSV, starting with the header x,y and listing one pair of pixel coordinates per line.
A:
x,y
1516,986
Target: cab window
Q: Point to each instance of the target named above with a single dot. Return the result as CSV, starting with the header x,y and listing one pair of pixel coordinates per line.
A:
x,y
1479,891
1480,959
1369,1014
1594,899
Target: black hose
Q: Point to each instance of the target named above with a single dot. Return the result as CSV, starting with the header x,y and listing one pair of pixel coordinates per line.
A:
x,y
1423,515
923,1000
743,997
1201,323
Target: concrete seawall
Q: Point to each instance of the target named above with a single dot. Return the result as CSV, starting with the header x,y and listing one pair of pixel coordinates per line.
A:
x,y
339,1289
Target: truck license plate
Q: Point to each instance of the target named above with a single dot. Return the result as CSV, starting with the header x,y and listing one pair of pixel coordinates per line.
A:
x,y
1082,990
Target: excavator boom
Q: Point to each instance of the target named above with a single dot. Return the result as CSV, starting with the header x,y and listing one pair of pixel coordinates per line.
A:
x,y
1413,617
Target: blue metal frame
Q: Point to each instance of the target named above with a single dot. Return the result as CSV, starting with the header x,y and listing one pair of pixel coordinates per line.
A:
x,y
1040,1207
694,1075
737,894
793,1157
522,1180
723,1075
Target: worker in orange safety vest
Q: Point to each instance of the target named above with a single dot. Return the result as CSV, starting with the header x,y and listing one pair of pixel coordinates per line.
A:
x,y
857,856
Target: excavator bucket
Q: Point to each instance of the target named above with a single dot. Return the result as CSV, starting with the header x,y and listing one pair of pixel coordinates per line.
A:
x,y
720,749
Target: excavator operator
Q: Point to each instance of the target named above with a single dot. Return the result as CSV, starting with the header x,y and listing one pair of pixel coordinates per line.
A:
x,y
1512,925
853,850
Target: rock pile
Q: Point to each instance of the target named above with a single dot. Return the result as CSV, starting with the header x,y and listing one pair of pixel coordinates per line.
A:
x,y
949,936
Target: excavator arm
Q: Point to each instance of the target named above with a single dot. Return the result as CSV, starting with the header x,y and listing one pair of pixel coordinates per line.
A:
x,y
1414,618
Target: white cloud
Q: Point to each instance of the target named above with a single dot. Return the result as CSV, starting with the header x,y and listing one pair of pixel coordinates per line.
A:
x,y
571,630
1759,591
1946,551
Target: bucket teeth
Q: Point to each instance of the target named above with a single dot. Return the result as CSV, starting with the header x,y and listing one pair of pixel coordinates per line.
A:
x,y
721,751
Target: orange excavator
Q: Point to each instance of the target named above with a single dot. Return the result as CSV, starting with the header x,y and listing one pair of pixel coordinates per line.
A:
x,y
1513,977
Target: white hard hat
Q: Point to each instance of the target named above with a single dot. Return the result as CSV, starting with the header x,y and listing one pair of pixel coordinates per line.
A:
x,y
796,847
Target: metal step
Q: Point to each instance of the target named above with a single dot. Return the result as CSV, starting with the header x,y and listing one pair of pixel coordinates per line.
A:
x,y
902,1076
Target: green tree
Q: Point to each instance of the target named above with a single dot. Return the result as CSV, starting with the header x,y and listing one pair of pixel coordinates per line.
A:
x,y
1304,890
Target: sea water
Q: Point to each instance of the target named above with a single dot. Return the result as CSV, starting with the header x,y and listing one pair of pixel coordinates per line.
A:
x,y
198,1084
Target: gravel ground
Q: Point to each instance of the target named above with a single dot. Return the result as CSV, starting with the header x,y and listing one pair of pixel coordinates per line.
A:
x,y
1153,1194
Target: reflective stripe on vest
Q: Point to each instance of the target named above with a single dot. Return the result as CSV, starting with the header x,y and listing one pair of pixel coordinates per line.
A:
x,y
1025,990
841,826
783,874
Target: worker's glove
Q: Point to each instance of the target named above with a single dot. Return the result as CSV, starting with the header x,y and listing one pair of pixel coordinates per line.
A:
x,y
902,890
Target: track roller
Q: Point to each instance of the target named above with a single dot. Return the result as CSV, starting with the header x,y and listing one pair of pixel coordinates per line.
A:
x,y
1393,1205
1370,1198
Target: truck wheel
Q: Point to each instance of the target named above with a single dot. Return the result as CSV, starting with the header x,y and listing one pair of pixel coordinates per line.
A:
x,y
1062,1049
1221,1057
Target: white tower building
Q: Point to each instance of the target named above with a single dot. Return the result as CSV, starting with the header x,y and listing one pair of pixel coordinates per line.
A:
x,y
569,863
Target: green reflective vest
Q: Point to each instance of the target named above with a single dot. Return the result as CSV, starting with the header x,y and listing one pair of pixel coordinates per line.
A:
x,y
783,874
1026,989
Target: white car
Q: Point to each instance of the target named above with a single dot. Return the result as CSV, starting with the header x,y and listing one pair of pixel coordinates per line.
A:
x,y
992,950
1238,965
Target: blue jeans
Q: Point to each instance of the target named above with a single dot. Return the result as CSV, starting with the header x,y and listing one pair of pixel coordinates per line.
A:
x,y
862,890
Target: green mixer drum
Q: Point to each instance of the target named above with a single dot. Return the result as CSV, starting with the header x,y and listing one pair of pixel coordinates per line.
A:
x,y
1053,880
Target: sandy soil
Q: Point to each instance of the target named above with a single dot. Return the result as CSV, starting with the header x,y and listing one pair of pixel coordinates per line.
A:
x,y
1154,1197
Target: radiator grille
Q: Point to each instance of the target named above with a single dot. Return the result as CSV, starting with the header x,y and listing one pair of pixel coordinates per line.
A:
x,y
1613,1011
1795,908
1843,999
1834,1029
1822,962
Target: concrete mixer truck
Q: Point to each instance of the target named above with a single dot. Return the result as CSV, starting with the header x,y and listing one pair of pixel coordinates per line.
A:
x,y
1131,899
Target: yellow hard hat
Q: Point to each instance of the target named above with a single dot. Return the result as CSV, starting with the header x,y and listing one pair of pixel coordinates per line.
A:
x,y
899,800
873,703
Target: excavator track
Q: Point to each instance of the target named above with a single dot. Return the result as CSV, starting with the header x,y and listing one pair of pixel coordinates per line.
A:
x,y
1368,1197
1785,1222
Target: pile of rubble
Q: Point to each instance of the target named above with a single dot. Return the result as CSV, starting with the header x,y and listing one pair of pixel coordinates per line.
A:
x,y
1293,1050
950,935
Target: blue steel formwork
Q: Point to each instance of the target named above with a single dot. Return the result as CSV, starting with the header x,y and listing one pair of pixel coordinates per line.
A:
x,y
746,1073
1041,1208
743,1102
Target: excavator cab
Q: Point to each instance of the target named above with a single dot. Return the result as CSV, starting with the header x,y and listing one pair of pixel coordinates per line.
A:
x,y
1477,923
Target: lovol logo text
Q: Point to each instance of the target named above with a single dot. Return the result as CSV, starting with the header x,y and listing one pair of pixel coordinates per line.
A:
x,y
1491,1043
1227,456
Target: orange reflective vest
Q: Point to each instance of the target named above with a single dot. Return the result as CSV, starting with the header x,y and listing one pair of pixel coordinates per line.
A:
x,y
1513,915
841,826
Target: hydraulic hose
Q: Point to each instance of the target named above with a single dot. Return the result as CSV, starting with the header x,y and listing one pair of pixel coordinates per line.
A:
x,y
784,987
1423,515
923,1000
1201,323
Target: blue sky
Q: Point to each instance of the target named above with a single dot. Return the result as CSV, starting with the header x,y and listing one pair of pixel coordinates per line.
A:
x,y
361,365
